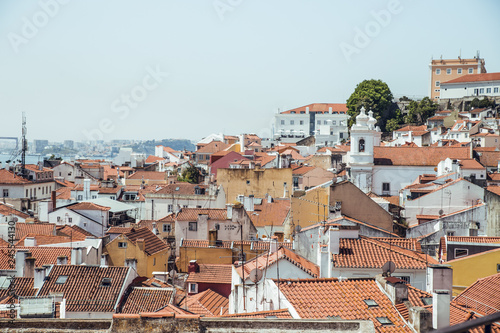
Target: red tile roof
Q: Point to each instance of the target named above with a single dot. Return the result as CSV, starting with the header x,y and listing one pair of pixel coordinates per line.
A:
x,y
488,158
84,290
152,159
211,273
181,189
268,214
22,286
119,230
73,231
7,177
413,128
266,260
87,206
471,164
482,296
152,243
324,298
421,156
144,299
365,252
475,78
282,314
152,175
45,240
43,255
22,229
213,147
302,169
8,210
63,193
320,108
473,239
191,214
207,303
407,243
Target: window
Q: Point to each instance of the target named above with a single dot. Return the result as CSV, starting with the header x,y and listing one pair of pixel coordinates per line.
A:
x,y
438,71
488,90
5,193
292,122
481,91
302,112
170,208
461,253
384,321
292,112
459,70
438,83
498,267
105,282
361,145
386,187
448,71
319,122
79,197
450,233
193,226
154,261
248,182
70,219
58,219
471,70
122,245
476,91
61,279
193,287
26,193
302,122
325,122
282,122
370,302
334,122
167,228
341,135
495,90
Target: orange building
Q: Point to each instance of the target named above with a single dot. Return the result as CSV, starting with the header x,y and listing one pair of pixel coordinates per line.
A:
x,y
443,70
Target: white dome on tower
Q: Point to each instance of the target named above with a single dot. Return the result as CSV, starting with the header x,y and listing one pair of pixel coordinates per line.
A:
x,y
362,118
371,120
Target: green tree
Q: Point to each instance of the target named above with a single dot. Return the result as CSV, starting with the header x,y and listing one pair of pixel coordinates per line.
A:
x,y
392,125
418,112
475,102
485,103
374,95
190,175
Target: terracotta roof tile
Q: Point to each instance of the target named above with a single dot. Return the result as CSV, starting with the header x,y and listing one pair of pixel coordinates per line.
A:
x,y
8,210
73,231
475,78
84,290
213,147
324,298
264,260
211,273
45,240
7,177
119,230
320,108
152,175
421,156
144,299
87,206
152,243
407,243
474,239
282,313
482,296
63,193
22,229
153,159
204,243
268,214
154,282
488,158
413,128
22,286
191,214
365,252
43,255
182,189
207,303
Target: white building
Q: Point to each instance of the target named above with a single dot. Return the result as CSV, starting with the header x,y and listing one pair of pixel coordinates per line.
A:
x,y
486,84
327,122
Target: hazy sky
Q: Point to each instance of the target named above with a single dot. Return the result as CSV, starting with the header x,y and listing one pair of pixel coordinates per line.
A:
x,y
184,69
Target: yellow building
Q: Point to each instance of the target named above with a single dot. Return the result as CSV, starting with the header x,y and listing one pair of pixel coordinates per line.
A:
x,y
257,182
468,269
141,249
309,207
443,70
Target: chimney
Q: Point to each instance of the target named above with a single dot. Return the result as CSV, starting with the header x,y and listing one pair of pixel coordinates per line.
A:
x,y
273,245
324,262
229,209
29,241
330,110
76,256
251,201
62,260
440,277
440,308
334,240
86,189
54,201
29,267
155,229
395,288
212,238
104,260
270,198
39,277
140,244
132,263
21,256
419,318
307,110
193,267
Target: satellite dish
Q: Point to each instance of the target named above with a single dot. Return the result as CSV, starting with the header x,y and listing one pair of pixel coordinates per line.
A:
x,y
441,212
388,268
255,275
298,228
172,274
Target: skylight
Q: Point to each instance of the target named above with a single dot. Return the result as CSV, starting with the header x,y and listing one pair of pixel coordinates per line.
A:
x,y
61,279
385,321
426,300
106,282
370,303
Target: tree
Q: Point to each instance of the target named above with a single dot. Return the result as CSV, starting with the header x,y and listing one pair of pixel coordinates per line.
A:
x,y
418,112
392,125
374,95
190,175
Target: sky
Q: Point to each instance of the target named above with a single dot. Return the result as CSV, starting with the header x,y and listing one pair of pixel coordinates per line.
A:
x,y
123,69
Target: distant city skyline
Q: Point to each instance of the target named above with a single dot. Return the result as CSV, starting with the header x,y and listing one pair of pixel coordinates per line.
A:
x,y
176,69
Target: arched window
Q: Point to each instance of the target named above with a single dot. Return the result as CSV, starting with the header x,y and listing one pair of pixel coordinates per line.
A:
x,y
361,145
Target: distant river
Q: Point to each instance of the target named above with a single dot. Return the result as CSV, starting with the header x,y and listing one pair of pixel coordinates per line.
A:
x,y
34,159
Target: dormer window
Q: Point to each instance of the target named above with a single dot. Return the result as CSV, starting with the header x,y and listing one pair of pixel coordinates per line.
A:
x,y
361,145
106,282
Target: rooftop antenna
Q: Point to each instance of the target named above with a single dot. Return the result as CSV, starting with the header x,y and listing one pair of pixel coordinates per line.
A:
x,y
24,147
